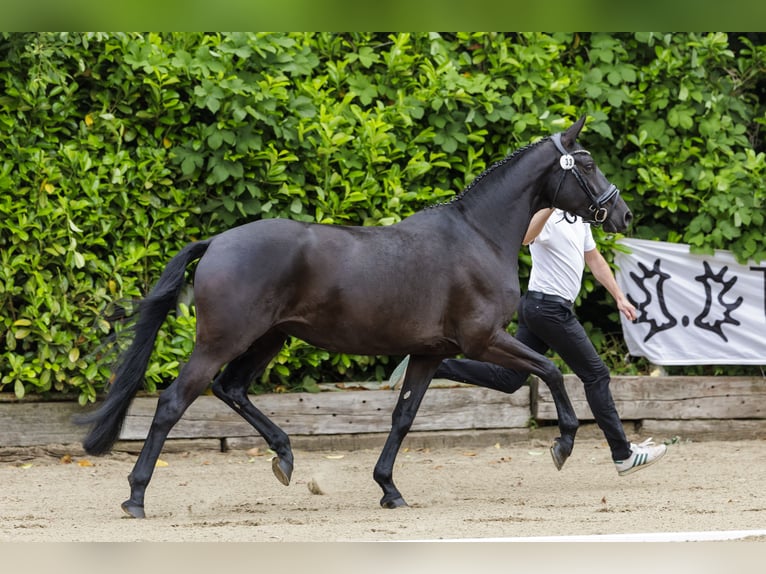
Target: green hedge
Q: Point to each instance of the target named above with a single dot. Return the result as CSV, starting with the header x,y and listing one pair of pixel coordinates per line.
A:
x,y
120,148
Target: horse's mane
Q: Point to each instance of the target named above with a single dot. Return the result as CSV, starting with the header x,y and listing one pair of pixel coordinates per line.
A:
x,y
479,178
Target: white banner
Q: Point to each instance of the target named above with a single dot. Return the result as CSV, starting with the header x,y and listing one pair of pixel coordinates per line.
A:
x,y
692,309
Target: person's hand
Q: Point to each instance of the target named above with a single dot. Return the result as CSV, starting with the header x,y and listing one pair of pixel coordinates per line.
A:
x,y
627,308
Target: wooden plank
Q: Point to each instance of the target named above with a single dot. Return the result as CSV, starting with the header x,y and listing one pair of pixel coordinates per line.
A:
x,y
639,398
344,412
731,405
375,441
726,429
39,423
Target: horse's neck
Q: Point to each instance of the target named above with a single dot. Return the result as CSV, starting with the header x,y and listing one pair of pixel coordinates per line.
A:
x,y
500,207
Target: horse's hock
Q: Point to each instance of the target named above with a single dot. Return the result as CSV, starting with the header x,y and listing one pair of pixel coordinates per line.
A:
x,y
351,417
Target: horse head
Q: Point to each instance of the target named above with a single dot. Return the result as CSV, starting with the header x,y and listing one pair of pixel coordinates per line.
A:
x,y
579,187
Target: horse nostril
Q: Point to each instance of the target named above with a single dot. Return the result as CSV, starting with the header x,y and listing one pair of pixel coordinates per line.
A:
x,y
628,218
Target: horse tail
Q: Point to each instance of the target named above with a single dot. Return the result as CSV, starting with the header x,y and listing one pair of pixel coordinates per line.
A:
x,y
129,376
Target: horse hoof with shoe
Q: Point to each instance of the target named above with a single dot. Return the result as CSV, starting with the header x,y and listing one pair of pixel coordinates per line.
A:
x,y
559,454
282,470
133,510
391,503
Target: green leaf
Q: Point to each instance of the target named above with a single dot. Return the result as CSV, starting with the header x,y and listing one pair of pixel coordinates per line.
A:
x,y
79,260
215,139
368,56
362,87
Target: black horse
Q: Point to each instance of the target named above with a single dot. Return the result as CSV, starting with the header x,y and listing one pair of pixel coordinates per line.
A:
x,y
441,282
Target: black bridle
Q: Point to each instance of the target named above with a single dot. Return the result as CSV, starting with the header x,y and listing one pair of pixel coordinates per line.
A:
x,y
598,206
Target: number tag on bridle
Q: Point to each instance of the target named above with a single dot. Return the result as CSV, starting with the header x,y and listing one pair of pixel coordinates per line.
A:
x,y
567,162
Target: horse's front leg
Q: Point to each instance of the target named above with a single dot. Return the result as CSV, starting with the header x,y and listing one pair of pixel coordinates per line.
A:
x,y
509,352
419,373
567,419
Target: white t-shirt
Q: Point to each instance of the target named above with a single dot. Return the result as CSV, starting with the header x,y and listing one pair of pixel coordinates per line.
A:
x,y
558,256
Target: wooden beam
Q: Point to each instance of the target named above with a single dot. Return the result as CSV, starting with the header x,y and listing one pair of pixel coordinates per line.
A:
x,y
39,423
708,429
731,405
683,398
342,412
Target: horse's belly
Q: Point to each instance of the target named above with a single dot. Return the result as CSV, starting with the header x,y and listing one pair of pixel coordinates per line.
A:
x,y
383,340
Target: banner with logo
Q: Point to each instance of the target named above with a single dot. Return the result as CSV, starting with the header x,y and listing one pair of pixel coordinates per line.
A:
x,y
692,309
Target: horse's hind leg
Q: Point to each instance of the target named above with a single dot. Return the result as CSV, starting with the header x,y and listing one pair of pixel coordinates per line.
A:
x,y
231,387
419,373
173,402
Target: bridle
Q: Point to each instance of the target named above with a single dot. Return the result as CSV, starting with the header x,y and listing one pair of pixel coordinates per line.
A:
x,y
568,165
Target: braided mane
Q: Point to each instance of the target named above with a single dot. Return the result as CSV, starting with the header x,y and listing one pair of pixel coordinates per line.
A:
x,y
479,178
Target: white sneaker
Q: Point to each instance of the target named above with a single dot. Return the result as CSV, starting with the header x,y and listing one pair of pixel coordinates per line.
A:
x,y
643,455
397,377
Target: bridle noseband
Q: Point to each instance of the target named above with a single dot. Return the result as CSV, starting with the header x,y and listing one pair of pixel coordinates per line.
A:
x,y
568,165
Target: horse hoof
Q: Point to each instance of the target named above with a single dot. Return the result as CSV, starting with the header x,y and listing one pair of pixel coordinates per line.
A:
x,y
558,455
282,470
133,510
397,502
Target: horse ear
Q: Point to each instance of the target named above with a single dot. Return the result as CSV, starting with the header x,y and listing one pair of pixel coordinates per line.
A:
x,y
569,137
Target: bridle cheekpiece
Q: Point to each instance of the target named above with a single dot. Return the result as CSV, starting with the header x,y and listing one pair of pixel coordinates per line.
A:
x,y
568,165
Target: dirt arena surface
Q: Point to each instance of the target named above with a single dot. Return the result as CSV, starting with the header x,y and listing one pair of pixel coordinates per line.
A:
x,y
490,491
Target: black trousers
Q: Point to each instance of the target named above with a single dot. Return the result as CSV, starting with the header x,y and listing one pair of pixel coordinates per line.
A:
x,y
544,325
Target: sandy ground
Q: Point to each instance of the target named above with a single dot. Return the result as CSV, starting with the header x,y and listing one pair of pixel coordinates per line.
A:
x,y
490,491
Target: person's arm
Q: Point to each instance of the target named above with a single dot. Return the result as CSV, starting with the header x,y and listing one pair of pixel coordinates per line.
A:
x,y
603,274
536,225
